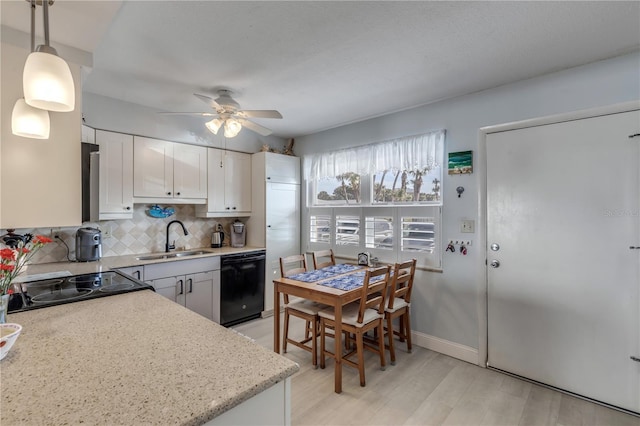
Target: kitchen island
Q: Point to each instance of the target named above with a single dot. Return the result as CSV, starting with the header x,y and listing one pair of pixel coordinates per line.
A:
x,y
138,358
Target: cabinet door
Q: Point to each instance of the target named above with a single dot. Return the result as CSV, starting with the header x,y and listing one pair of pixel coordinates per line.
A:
x,y
136,272
166,287
282,168
282,205
199,293
88,134
152,168
116,175
189,171
237,182
215,190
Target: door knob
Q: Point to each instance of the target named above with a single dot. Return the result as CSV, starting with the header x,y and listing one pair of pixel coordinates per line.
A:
x,y
495,246
495,263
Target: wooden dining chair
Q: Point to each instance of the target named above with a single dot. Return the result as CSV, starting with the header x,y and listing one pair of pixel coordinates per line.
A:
x,y
304,309
318,255
399,304
358,318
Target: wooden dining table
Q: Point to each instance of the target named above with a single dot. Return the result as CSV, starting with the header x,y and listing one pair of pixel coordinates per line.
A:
x,y
317,293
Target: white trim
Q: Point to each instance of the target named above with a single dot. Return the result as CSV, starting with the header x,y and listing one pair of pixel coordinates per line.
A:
x,y
455,350
483,313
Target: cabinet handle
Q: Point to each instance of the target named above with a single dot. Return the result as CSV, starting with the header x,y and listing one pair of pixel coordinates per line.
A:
x,y
190,285
268,177
234,208
227,208
177,193
168,193
268,226
181,287
137,273
128,208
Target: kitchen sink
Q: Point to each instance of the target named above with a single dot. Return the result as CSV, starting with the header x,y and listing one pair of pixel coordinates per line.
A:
x,y
171,255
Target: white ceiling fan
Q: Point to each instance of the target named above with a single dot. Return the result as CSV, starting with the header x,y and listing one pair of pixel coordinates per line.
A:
x,y
228,114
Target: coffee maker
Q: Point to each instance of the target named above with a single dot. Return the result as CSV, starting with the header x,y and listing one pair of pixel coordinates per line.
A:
x,y
88,244
238,234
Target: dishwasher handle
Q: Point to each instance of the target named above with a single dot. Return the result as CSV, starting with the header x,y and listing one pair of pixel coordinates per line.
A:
x,y
236,260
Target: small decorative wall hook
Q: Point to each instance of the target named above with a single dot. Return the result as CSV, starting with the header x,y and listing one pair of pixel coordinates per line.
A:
x,y
460,190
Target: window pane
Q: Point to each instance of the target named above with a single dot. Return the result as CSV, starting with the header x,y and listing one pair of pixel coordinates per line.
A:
x,y
407,187
418,234
379,232
342,190
347,230
320,229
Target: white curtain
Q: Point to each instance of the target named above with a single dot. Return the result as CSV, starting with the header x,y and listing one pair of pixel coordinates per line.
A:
x,y
407,153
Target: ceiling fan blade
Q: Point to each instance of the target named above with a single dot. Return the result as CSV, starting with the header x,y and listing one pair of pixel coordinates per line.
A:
x,y
260,113
202,114
255,127
209,101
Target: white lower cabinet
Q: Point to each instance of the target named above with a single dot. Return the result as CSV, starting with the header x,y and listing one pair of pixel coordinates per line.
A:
x,y
193,283
136,272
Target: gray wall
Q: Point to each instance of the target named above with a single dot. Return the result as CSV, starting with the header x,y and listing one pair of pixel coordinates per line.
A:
x,y
106,113
444,305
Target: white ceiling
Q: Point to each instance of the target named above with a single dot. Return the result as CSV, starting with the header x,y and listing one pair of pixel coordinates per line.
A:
x,y
323,64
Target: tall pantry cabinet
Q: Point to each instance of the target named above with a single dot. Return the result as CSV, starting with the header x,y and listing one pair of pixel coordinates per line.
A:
x,y
275,221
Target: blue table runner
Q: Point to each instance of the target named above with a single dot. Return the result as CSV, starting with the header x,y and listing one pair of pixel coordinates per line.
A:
x,y
324,273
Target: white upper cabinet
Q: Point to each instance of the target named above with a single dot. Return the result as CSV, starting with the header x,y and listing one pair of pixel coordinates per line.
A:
x,y
281,168
116,175
189,171
229,185
169,171
88,134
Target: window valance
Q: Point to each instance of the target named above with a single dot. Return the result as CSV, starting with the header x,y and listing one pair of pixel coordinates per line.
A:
x,y
419,152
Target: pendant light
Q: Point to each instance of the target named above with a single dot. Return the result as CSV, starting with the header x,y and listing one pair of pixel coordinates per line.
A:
x,y
27,121
46,80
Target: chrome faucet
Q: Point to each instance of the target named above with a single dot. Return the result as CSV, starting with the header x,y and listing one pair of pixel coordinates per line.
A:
x,y
168,247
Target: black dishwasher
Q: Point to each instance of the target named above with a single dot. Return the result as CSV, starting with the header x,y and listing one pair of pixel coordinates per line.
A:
x,y
241,287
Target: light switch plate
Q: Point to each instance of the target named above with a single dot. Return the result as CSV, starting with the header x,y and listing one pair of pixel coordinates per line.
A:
x,y
468,226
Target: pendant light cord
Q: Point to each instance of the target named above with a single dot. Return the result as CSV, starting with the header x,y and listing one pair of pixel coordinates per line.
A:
x,y
33,26
45,12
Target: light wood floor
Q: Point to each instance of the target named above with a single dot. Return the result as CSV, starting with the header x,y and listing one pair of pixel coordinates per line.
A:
x,y
426,388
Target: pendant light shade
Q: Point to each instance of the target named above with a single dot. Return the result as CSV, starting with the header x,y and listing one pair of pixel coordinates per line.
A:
x,y
47,82
231,128
214,125
29,122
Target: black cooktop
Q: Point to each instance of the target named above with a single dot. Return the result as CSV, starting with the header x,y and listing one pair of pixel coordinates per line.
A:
x,y
56,291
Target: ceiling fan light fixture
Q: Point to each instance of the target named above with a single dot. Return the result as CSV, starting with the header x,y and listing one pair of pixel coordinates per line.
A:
x,y
214,125
29,122
231,128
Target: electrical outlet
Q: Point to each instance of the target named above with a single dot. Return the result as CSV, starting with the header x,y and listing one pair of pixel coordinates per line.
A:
x,y
54,232
467,226
106,231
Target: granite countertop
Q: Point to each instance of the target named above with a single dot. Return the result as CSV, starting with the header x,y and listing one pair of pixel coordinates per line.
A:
x,y
134,358
115,262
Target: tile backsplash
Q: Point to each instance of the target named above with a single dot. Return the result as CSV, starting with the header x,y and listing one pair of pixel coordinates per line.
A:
x,y
142,234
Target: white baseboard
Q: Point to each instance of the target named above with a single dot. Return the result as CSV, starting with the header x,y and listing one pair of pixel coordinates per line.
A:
x,y
455,350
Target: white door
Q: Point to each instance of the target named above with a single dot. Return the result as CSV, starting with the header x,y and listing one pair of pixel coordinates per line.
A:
x,y
152,168
563,207
116,174
237,181
189,171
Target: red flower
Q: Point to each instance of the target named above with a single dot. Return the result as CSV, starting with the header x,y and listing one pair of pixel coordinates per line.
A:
x,y
7,254
24,250
5,267
41,239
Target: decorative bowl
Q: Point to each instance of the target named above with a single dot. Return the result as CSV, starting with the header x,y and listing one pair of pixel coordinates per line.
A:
x,y
8,335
